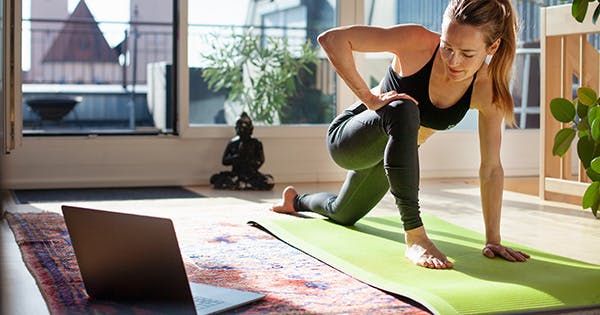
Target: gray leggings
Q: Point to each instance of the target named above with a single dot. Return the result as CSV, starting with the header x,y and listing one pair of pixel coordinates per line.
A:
x,y
379,149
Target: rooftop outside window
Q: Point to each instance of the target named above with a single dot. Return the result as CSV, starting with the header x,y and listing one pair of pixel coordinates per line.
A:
x,y
93,67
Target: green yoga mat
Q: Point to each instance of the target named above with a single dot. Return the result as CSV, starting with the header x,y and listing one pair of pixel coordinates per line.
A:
x,y
372,251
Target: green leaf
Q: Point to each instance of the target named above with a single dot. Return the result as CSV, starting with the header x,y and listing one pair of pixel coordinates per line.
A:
x,y
585,151
583,125
596,14
596,129
592,113
582,109
595,164
595,207
590,197
579,9
596,150
562,109
562,141
587,96
584,133
592,174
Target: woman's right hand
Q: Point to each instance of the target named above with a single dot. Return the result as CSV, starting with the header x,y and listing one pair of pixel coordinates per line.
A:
x,y
376,102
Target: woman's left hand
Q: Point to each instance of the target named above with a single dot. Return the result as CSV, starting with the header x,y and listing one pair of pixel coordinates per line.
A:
x,y
493,250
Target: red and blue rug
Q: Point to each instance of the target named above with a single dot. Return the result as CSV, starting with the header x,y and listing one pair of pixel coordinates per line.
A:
x,y
218,253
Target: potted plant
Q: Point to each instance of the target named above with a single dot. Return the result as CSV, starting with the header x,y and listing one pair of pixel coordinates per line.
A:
x,y
261,75
583,114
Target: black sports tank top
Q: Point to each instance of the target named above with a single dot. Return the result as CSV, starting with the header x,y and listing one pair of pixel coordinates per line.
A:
x,y
417,86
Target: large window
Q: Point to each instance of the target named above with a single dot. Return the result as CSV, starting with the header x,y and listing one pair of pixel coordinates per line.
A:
x,y
97,67
221,29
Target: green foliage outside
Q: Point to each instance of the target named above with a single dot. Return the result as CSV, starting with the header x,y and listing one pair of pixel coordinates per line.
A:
x,y
261,76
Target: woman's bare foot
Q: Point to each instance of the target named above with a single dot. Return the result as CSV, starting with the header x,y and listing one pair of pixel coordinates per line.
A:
x,y
287,201
422,252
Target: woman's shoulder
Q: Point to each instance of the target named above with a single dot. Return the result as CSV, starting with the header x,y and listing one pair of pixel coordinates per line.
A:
x,y
411,28
418,29
417,36
400,37
482,96
415,50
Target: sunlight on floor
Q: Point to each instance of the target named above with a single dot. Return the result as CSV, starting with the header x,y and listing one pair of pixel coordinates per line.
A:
x,y
557,228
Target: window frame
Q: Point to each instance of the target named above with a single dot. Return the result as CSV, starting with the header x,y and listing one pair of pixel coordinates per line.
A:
x,y
348,12
11,72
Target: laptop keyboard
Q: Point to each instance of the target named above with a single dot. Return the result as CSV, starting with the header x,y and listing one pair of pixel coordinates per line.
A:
x,y
202,302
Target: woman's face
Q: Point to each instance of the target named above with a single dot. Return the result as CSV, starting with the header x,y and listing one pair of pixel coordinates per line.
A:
x,y
463,50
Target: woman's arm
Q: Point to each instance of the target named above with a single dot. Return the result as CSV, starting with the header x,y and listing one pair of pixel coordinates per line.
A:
x,y
491,176
491,173
340,42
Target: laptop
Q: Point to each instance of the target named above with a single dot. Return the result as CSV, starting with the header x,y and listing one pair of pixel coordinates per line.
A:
x,y
135,259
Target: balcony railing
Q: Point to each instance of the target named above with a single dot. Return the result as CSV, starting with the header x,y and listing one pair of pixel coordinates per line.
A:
x,y
83,54
79,52
570,60
525,87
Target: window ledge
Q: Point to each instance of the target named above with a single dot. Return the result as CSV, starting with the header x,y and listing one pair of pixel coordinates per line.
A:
x,y
261,132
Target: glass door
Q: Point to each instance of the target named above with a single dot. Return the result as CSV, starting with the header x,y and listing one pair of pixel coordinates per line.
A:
x,y
97,67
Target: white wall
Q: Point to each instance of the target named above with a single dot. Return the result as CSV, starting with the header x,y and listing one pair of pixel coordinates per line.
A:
x,y
298,155
163,160
456,154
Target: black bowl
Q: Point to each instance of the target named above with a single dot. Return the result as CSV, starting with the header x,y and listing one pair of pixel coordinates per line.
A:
x,y
52,108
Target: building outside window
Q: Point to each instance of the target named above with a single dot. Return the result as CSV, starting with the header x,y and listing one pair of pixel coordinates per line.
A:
x,y
87,66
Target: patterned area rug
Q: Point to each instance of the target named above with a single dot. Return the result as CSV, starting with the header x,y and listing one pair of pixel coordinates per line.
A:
x,y
219,253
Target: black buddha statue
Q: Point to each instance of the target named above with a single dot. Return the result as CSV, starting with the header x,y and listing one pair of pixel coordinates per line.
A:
x,y
245,154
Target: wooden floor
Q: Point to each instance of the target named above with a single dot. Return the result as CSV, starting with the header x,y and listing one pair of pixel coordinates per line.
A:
x,y
557,228
524,185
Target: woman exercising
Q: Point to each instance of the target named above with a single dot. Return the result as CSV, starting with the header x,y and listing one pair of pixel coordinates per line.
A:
x,y
430,85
